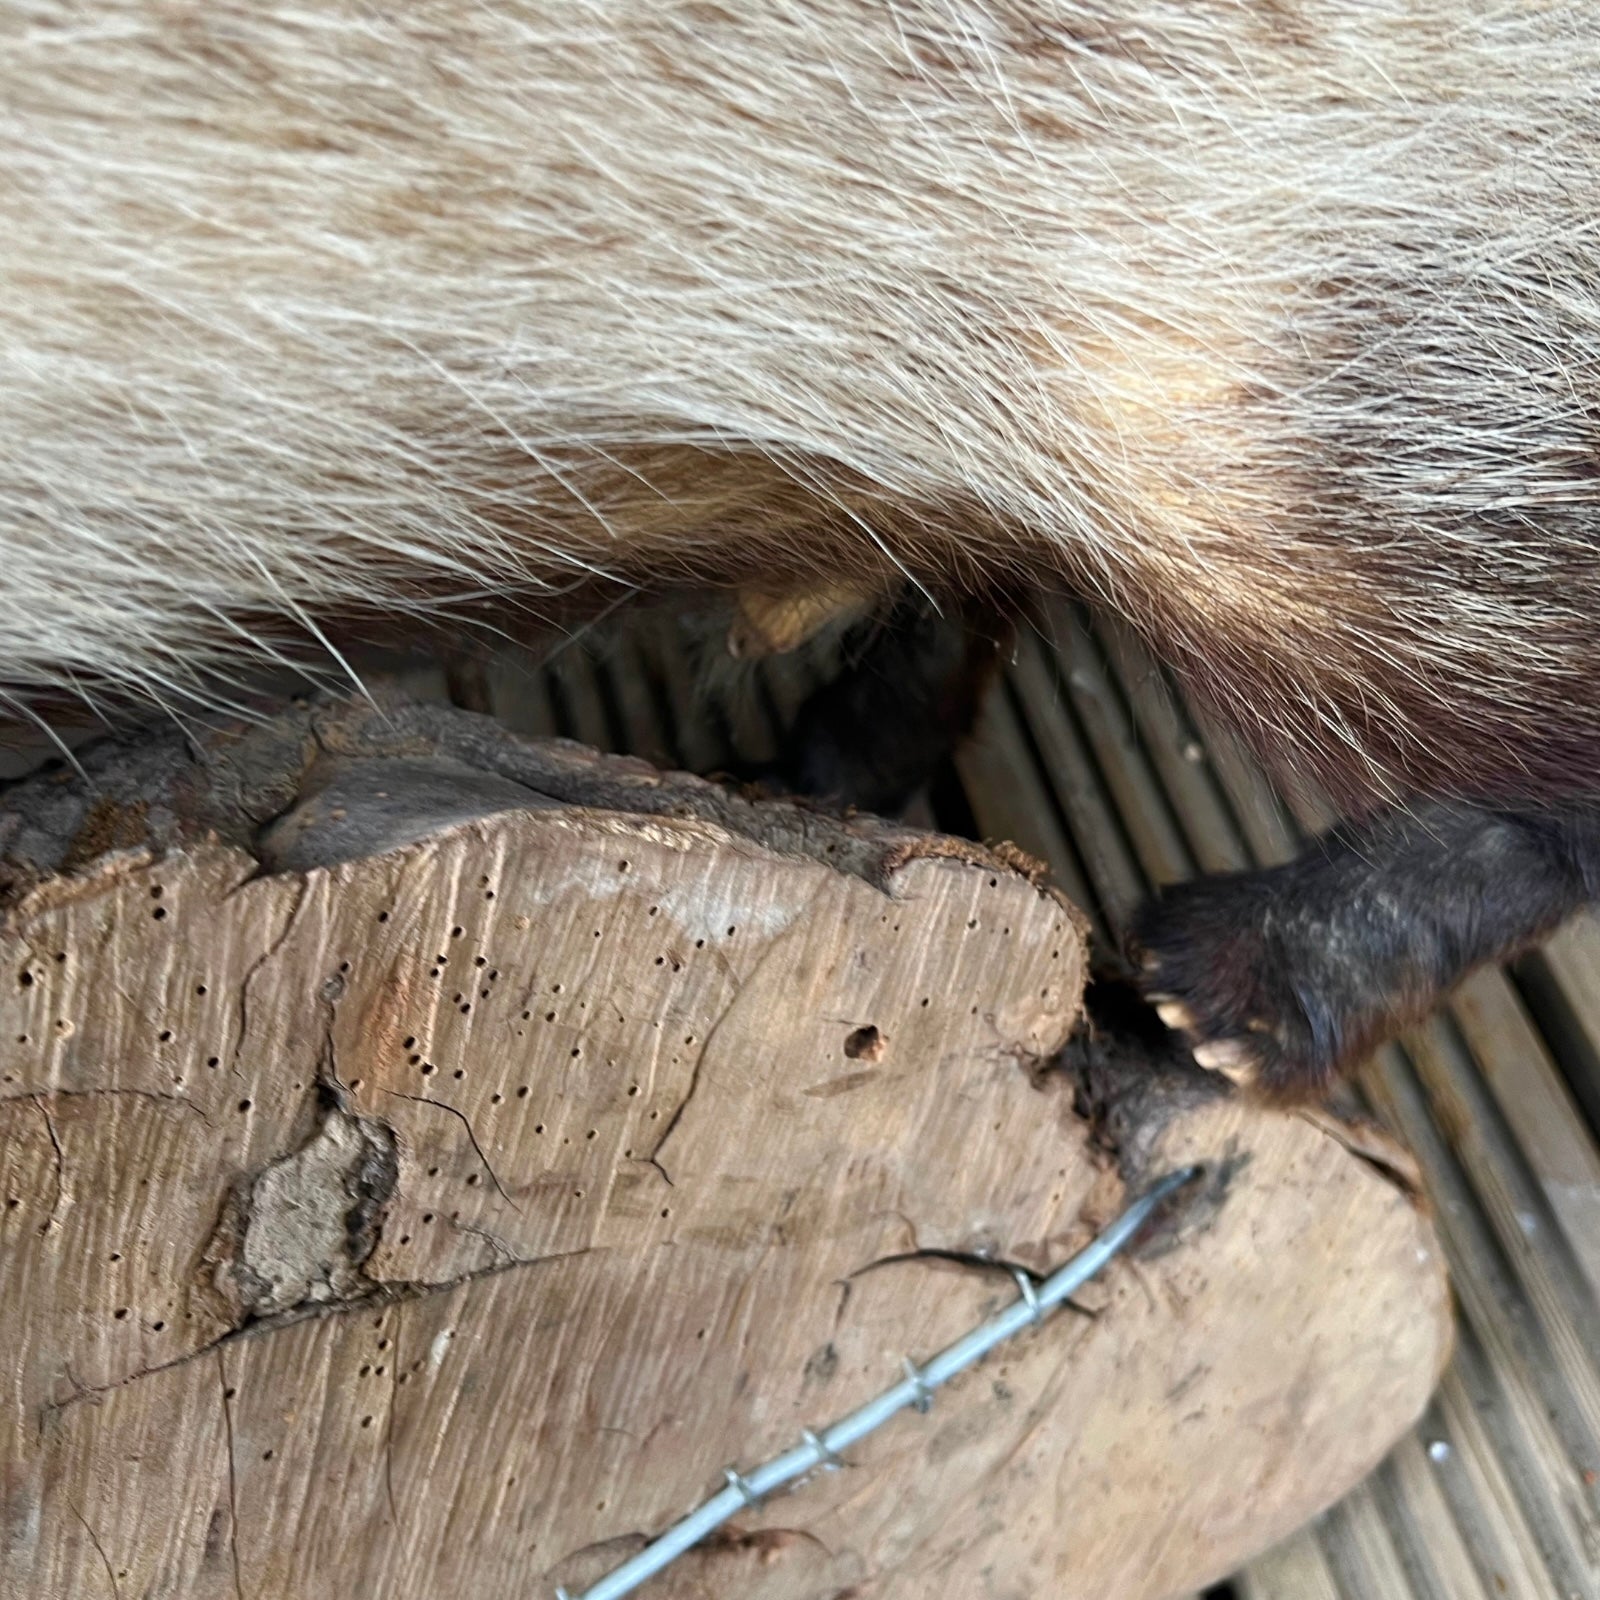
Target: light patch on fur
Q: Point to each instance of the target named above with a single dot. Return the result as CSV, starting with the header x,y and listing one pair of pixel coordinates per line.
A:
x,y
775,624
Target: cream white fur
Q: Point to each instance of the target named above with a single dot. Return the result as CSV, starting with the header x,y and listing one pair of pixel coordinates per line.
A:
x,y
308,309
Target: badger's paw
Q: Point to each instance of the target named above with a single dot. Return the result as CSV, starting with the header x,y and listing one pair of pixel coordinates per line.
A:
x,y
1250,986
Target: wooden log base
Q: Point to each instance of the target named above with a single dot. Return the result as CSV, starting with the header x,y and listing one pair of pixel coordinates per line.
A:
x,y
427,1157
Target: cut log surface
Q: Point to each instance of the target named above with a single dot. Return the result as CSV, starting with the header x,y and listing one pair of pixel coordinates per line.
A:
x,y
428,1157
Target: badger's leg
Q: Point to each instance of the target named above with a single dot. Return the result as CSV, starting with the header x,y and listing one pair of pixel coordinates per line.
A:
x,y
1281,978
907,696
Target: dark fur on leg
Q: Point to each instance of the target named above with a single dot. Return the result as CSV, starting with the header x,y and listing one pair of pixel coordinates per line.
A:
x,y
1283,978
908,695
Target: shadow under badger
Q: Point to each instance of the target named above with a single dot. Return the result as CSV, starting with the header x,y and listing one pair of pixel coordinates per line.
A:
x,y
1272,327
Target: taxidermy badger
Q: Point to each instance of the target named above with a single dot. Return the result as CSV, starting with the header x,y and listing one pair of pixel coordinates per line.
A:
x,y
1271,325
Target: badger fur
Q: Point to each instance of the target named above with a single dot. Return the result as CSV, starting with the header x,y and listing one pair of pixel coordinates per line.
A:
x,y
1271,325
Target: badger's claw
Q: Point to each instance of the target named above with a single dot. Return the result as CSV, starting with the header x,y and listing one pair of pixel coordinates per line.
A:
x,y
1227,972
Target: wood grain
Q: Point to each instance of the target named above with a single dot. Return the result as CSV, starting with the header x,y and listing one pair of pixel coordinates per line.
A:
x,y
429,1156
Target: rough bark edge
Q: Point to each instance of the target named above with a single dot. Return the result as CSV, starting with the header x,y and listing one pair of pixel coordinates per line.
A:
x,y
161,788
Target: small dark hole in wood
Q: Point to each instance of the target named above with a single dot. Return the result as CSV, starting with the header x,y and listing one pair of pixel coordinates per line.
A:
x,y
864,1044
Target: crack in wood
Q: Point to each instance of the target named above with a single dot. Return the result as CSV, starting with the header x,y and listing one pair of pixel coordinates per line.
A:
x,y
394,1405
99,1549
302,890
397,1292
776,949
765,1544
444,1105
970,1259
60,1163
95,1094
493,1240
233,1486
